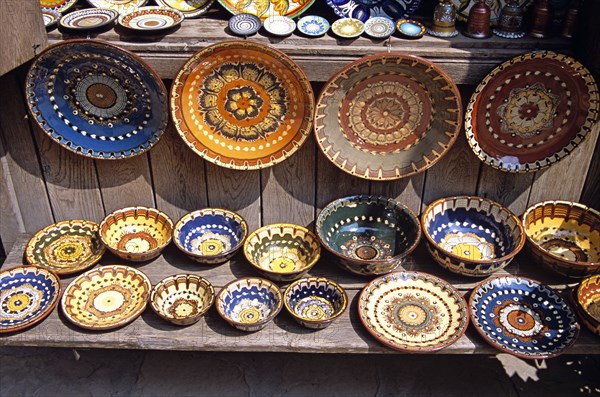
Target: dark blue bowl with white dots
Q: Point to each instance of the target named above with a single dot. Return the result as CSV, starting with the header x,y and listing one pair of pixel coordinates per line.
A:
x,y
211,235
315,302
472,236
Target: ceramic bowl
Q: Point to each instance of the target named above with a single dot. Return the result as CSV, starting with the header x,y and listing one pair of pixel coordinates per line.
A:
x,y
410,29
315,302
182,299
282,252
244,24
136,233
313,25
348,28
210,236
249,303
151,19
379,27
564,236
472,236
369,235
279,25
588,303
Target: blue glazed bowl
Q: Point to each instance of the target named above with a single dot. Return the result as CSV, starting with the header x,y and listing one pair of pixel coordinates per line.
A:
x,y
211,236
249,303
315,302
472,236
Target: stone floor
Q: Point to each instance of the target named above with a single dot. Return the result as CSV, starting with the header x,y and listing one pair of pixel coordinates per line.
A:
x,y
65,372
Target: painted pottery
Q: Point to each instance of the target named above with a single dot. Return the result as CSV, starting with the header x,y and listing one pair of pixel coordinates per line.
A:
x,y
588,303
444,20
564,236
60,6
50,17
410,29
211,235
242,105
315,302
136,233
28,294
472,236
463,7
313,25
66,247
189,8
88,19
282,251
249,303
368,235
106,297
244,24
522,317
182,299
279,25
151,18
478,23
379,27
542,16
413,312
387,116
96,99
266,8
365,9
531,111
510,25
348,28
121,6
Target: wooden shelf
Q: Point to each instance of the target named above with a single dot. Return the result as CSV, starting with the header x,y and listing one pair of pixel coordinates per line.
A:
x,y
346,335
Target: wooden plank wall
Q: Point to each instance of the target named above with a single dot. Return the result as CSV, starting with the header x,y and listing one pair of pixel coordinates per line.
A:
x,y
40,182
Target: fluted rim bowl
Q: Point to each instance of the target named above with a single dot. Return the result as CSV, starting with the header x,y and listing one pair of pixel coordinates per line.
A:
x,y
210,235
182,299
369,235
470,235
249,303
282,251
136,233
587,297
564,236
315,302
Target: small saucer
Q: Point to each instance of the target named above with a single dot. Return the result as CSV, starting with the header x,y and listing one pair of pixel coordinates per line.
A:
x,y
50,17
244,24
88,19
348,28
410,28
313,25
151,19
279,25
379,27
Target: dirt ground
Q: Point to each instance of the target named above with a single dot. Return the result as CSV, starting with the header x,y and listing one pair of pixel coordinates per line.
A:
x,y
66,372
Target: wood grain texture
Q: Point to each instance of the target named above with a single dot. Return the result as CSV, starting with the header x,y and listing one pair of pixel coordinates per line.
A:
x,y
408,191
590,195
11,223
509,189
333,183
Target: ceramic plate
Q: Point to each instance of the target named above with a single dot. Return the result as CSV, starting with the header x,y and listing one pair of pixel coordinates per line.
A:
x,y
242,105
88,19
365,9
413,311
523,317
66,247
244,24
27,295
280,25
50,17
58,5
121,6
313,25
463,7
531,111
189,8
96,99
348,28
380,27
151,18
387,116
266,8
106,297
410,29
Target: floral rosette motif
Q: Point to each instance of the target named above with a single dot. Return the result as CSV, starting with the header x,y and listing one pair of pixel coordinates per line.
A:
x,y
267,8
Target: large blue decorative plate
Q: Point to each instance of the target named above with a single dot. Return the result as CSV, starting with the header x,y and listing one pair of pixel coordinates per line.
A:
x,y
96,99
522,317
365,9
27,295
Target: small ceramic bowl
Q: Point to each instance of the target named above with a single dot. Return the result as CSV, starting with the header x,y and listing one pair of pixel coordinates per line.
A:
x,y
369,235
249,303
379,27
282,252
315,302
313,25
244,24
182,299
136,233
564,236
588,303
472,236
210,236
410,29
279,25
348,28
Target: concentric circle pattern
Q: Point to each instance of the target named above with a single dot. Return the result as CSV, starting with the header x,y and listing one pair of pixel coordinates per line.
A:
x,y
151,18
244,24
88,19
522,317
58,5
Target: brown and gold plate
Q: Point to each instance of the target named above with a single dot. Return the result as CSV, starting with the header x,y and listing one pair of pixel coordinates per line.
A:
x,y
242,105
387,116
531,111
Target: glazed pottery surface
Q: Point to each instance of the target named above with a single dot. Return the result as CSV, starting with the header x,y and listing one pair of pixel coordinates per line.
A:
x,y
522,317
564,236
478,23
244,24
348,28
531,111
96,99
136,233
444,20
266,8
588,303
369,235
27,295
189,8
88,19
387,116
60,6
121,6
242,105
315,302
282,252
410,28
380,27
66,247
463,7
249,303
210,235
106,297
279,25
313,25
365,9
151,18
413,311
50,17
472,236
182,299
